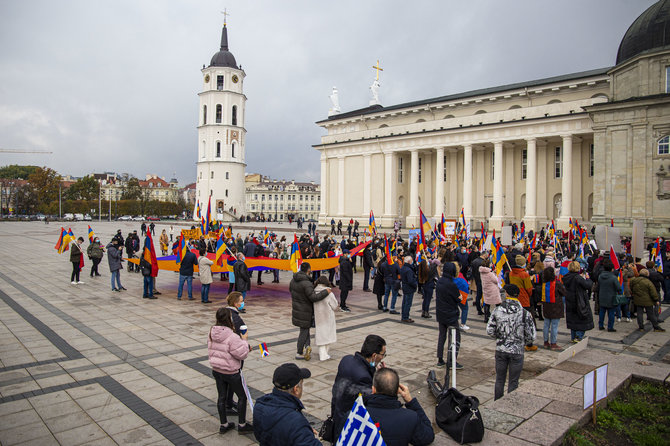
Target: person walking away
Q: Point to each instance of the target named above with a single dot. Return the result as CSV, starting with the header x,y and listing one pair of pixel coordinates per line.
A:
x,y
226,350
378,287
205,268
346,279
368,264
447,298
171,233
391,274
95,251
608,288
645,298
302,307
399,425
490,288
143,227
76,253
578,315
186,274
164,242
519,276
429,288
324,319
409,286
114,252
152,228
145,269
536,280
278,418
513,328
242,277
476,263
552,293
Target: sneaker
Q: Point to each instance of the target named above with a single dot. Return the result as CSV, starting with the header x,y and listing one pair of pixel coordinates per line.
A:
x,y
464,327
308,353
531,348
407,321
612,330
547,345
440,363
393,312
248,428
659,330
556,347
345,309
618,319
601,328
73,282
158,293
122,288
628,319
115,289
80,283
299,357
223,429
458,366
385,310
153,297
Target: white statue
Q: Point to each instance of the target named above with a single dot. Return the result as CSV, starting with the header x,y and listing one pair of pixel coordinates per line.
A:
x,y
335,101
374,88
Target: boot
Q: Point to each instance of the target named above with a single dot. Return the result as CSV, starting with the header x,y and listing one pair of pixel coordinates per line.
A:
x,y
323,353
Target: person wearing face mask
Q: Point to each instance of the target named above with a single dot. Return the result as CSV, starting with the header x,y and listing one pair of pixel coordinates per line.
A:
x,y
346,279
95,251
235,305
75,257
354,376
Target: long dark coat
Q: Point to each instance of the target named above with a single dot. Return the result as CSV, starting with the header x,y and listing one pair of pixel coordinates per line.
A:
x,y
576,288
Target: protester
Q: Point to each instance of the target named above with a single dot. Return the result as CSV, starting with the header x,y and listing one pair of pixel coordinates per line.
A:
x,y
476,263
114,250
578,315
409,286
552,307
368,264
354,376
145,268
490,287
519,276
608,289
242,277
302,304
164,242
131,248
278,418
235,303
346,279
378,287
429,288
205,268
95,251
400,426
513,328
391,274
75,257
226,350
186,274
324,319
646,298
447,298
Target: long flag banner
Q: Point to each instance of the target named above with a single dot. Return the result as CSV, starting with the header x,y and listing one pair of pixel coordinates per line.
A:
x,y
614,258
149,254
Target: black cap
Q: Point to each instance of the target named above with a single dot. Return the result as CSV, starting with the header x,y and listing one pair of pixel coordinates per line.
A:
x,y
512,290
289,375
346,251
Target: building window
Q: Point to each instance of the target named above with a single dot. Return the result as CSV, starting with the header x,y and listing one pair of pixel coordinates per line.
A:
x,y
226,192
399,170
524,163
234,114
219,112
420,165
664,145
211,174
233,150
444,169
204,115
558,162
204,149
263,197
591,163
227,177
255,196
218,149
219,83
201,175
493,165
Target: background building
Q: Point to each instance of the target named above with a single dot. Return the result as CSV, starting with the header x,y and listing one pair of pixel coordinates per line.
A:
x,y
589,146
280,200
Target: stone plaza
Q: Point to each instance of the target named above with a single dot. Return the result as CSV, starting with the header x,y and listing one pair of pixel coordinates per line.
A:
x,y
80,364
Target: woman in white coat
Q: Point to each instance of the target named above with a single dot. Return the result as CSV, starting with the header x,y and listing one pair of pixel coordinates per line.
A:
x,y
205,268
324,318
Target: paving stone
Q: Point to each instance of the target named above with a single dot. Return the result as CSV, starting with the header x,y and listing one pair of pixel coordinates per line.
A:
x,y
80,435
552,391
499,421
568,410
519,403
67,422
559,377
17,419
543,428
21,434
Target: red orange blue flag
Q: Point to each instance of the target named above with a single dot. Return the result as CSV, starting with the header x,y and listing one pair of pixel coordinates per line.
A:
x,y
91,234
149,254
296,257
424,226
387,252
372,224
263,347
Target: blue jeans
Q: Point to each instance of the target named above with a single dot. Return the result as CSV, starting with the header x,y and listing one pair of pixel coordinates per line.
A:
x,y
576,334
148,286
478,297
390,289
116,275
189,286
204,292
550,324
406,304
610,318
428,289
464,312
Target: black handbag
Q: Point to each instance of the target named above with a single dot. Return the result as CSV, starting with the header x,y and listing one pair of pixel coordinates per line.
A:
x,y
458,415
326,431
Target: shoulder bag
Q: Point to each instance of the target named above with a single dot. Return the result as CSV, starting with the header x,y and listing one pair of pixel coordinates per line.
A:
x,y
458,415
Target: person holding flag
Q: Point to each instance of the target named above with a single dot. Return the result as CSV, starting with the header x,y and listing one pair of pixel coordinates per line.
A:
x,y
77,259
95,251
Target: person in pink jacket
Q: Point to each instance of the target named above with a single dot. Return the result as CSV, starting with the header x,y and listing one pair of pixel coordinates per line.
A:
x,y
490,288
227,349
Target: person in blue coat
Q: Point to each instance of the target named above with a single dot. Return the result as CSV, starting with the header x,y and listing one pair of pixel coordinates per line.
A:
x,y
398,426
278,419
409,286
391,273
186,274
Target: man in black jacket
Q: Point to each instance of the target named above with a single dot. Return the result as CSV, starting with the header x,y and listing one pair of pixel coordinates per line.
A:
x,y
391,274
130,250
398,425
354,376
242,277
302,307
368,264
447,298
186,274
346,279
476,263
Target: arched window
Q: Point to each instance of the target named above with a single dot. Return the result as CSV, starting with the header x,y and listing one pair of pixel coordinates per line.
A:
x,y
218,149
664,145
204,150
219,112
234,114
204,115
233,150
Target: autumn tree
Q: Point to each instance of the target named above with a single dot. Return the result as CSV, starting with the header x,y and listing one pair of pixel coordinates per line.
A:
x,y
86,188
44,184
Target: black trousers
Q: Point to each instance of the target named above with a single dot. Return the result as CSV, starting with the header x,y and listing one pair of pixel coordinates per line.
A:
x,y
234,382
507,362
366,278
75,272
441,339
343,298
94,267
303,339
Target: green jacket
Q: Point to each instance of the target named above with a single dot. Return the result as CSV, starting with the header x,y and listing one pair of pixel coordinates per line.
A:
x,y
94,250
644,292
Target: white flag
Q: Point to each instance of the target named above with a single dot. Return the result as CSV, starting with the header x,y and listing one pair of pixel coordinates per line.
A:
x,y
360,430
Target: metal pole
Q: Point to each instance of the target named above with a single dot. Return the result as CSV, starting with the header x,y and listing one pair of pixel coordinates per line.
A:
x,y
109,200
595,378
60,214
99,201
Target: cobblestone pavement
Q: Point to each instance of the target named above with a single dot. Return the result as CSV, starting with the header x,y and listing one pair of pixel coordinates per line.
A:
x,y
80,364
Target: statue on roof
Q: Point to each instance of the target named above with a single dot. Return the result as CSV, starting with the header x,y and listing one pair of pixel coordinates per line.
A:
x,y
335,102
374,88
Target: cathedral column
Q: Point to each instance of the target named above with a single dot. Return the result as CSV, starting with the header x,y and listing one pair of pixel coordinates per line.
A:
x,y
340,186
324,187
467,181
566,184
496,220
530,219
452,159
541,198
389,195
367,179
439,183
413,214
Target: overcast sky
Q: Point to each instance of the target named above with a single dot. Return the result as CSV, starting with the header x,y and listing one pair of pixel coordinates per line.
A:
x,y
112,86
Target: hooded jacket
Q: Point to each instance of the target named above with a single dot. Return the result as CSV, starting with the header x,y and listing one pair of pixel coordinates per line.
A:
x,y
354,376
447,296
302,299
113,257
576,288
226,350
278,421
644,292
490,287
608,288
511,326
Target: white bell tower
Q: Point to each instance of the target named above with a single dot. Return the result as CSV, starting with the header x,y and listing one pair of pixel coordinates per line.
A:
x,y
221,136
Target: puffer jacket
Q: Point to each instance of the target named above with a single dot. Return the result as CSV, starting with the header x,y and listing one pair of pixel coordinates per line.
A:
x,y
278,421
608,288
521,278
94,250
511,326
354,376
447,296
226,350
644,292
302,299
113,257
490,287
576,288
75,252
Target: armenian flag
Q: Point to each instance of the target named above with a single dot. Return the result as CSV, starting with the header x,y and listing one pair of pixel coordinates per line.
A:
x,y
91,234
463,217
209,215
149,254
463,288
296,258
387,252
621,280
614,258
372,224
266,236
181,249
425,226
443,227
197,209
549,292
203,227
220,248
532,247
60,245
263,347
656,255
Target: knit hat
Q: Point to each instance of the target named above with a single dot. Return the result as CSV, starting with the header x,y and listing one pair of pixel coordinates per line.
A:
x,y
512,290
520,261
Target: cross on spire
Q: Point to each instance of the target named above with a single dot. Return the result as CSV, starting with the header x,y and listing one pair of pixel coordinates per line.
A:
x,y
378,68
225,15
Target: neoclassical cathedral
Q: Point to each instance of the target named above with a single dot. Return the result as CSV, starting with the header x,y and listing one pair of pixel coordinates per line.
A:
x,y
221,136
589,146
